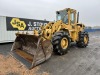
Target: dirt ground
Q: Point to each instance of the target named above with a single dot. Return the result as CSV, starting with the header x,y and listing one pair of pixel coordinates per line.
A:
x,y
78,61
10,66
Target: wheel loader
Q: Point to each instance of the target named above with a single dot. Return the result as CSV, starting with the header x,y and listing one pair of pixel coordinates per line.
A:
x,y
53,37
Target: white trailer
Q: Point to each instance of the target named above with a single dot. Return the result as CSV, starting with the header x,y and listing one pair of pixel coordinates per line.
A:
x,y
11,25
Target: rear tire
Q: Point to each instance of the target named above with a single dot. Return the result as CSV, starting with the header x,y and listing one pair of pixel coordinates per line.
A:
x,y
61,42
83,40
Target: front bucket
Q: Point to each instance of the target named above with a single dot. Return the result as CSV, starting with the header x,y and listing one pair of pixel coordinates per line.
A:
x,y
31,50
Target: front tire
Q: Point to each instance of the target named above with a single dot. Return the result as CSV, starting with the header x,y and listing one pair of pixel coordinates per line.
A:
x,y
61,42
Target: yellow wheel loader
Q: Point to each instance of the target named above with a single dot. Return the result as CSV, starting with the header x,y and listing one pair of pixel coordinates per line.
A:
x,y
53,37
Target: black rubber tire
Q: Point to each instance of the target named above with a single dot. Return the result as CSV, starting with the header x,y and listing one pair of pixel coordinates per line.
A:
x,y
81,42
56,42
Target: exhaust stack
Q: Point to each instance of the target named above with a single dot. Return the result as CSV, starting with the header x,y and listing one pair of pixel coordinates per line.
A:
x,y
77,17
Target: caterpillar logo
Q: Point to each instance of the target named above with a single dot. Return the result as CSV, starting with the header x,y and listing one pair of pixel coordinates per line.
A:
x,y
16,23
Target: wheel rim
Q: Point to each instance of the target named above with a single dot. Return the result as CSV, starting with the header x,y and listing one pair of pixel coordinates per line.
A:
x,y
85,39
64,43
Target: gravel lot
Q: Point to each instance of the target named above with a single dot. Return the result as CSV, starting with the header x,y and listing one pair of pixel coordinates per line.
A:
x,y
78,61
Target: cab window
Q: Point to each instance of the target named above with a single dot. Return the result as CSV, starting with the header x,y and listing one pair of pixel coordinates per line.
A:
x,y
72,18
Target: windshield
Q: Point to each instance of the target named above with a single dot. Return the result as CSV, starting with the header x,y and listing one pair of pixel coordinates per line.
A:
x,y
62,16
59,17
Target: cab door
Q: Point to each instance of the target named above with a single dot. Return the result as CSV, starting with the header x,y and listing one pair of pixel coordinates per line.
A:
x,y
73,24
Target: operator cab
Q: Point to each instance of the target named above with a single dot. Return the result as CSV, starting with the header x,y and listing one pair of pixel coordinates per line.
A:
x,y
68,16
62,15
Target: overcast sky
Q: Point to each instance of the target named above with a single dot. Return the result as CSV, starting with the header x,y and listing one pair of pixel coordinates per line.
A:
x,y
45,9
